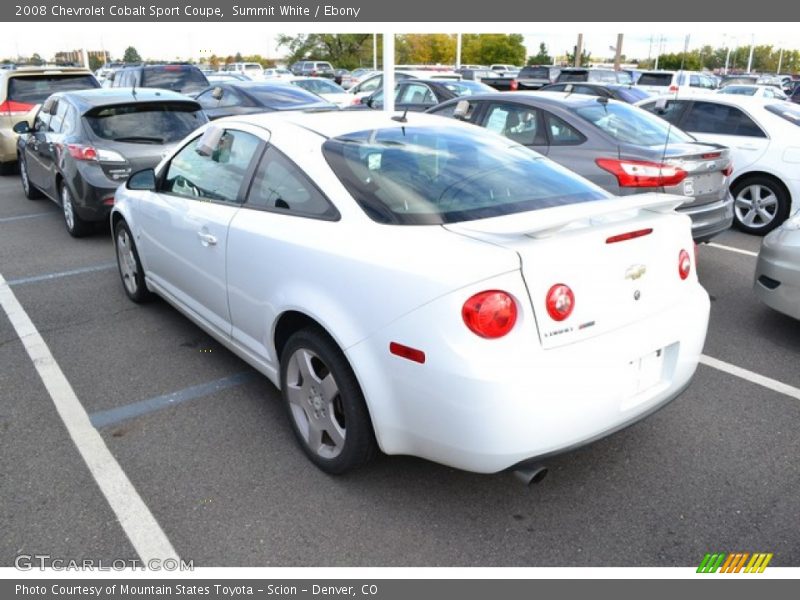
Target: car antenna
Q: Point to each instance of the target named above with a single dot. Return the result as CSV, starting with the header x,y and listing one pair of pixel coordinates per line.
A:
x,y
401,119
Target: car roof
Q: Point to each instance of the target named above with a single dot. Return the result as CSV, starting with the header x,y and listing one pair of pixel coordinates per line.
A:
x,y
545,98
32,71
89,99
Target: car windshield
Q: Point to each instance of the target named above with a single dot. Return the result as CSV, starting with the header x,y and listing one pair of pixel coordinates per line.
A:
x,y
448,174
631,125
178,78
739,90
145,123
661,79
468,88
285,97
35,89
319,86
785,110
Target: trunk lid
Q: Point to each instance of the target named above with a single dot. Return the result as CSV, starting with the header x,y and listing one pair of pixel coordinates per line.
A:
x,y
614,284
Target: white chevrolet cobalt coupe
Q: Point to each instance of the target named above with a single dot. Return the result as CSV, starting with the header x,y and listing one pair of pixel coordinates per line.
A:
x,y
418,285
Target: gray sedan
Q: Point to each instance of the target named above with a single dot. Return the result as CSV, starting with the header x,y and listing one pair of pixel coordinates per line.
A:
x,y
621,148
777,279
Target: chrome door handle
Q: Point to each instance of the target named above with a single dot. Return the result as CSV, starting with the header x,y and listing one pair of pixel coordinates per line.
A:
x,y
207,239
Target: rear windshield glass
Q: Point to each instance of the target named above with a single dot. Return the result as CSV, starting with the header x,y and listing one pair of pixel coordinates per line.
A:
x,y
573,76
663,79
285,97
632,94
319,86
145,123
631,125
468,88
36,88
786,111
178,78
535,73
431,176
739,90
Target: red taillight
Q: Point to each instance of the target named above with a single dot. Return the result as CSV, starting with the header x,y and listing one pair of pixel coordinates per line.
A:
x,y
407,352
684,264
356,100
710,155
629,235
490,314
560,301
514,85
641,173
79,152
10,107
727,171
673,89
172,68
109,201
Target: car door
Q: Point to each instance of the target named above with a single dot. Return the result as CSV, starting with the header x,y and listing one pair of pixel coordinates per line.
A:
x,y
232,102
518,122
275,238
183,226
414,96
52,146
575,149
727,125
37,138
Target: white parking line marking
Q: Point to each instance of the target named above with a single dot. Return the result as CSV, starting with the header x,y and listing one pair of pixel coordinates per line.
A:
x,y
767,382
732,249
141,527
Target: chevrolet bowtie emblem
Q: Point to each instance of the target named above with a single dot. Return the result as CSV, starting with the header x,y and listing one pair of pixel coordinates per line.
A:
x,y
635,272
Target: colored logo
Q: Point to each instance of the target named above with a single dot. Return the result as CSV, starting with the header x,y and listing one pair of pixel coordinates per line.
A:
x,y
735,562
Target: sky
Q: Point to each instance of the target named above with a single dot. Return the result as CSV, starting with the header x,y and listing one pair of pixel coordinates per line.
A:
x,y
181,41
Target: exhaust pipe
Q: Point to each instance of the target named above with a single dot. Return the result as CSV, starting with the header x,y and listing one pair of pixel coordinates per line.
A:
x,y
531,475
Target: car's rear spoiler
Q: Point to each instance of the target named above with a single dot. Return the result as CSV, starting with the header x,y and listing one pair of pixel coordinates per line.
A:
x,y
545,222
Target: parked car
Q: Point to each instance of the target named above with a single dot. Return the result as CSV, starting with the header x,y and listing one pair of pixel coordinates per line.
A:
x,y
617,91
324,88
579,74
777,277
477,74
248,97
22,90
222,77
795,97
615,145
374,82
84,144
421,94
473,274
534,77
500,68
251,70
355,76
277,73
676,82
757,91
186,79
763,137
313,68
339,74
738,79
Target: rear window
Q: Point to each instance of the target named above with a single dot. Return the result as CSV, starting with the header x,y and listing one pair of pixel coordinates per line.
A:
x,y
35,89
739,90
631,125
252,68
468,88
567,76
662,79
145,123
535,73
632,95
183,79
319,86
285,97
431,176
785,111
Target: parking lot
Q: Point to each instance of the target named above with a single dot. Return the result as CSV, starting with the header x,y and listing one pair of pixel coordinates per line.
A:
x,y
206,443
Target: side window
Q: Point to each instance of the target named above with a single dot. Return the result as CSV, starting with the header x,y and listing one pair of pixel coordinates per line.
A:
x,y
672,111
371,85
215,177
57,120
518,123
561,133
450,109
695,81
707,117
585,89
41,121
415,93
280,186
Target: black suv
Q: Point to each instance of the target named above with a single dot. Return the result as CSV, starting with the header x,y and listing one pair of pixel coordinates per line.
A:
x,y
578,74
186,79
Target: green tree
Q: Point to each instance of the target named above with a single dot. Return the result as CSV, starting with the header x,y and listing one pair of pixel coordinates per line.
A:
x,y
131,55
425,48
490,48
543,58
586,57
343,50
238,57
95,62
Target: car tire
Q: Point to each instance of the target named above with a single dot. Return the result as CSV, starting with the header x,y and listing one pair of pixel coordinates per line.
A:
x,y
31,192
76,226
760,204
325,403
130,267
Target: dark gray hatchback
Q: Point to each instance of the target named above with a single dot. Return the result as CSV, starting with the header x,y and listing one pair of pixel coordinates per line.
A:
x,y
84,144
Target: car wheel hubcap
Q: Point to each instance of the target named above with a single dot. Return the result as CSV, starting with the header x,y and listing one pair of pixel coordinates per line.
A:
x,y
756,206
316,404
66,203
127,261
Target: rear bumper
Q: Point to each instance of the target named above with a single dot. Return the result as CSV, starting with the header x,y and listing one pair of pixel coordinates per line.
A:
x,y
709,219
90,189
486,406
777,276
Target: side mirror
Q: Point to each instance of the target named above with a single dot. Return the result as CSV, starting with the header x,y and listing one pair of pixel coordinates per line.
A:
x,y
368,101
22,128
144,180
217,93
462,109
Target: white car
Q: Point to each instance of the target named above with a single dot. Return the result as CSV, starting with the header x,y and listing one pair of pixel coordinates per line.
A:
x,y
764,138
683,83
278,73
251,70
417,285
756,91
325,88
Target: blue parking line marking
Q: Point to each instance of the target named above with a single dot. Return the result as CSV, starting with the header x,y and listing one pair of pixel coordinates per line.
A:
x,y
113,416
29,216
49,276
